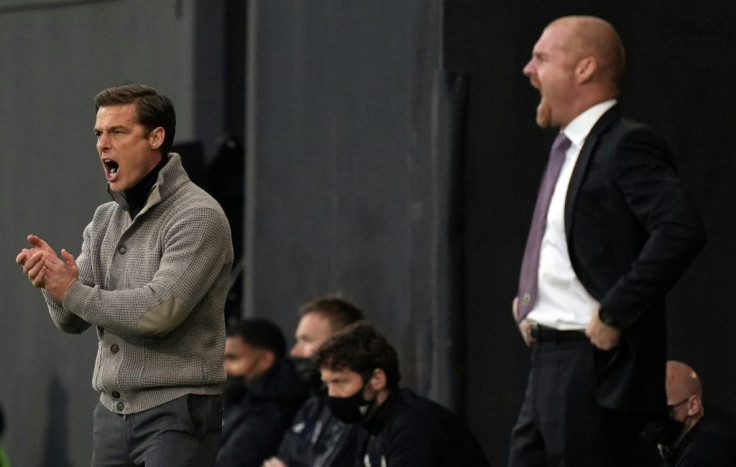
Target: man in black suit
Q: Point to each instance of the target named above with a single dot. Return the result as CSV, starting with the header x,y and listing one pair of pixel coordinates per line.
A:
x,y
614,232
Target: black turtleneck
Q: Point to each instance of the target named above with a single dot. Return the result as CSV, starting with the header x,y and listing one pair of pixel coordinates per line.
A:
x,y
137,196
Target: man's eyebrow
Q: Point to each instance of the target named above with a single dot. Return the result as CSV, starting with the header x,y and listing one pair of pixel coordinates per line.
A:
x,y
111,128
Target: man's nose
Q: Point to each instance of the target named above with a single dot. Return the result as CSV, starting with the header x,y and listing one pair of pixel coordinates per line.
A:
x,y
102,142
528,68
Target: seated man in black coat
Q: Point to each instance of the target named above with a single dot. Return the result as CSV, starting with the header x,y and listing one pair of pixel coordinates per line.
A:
x,y
264,392
316,438
361,371
699,440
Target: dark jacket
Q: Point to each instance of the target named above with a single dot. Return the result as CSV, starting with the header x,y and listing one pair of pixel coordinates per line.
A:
x,y
253,426
409,430
710,443
317,439
631,232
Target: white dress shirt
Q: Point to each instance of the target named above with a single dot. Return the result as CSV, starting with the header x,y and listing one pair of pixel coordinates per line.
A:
x,y
563,303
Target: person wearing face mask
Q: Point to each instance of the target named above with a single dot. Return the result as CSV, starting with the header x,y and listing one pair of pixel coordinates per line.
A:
x,y
361,371
697,439
259,408
316,438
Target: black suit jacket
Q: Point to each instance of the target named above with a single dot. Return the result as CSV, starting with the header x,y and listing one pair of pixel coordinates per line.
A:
x,y
631,232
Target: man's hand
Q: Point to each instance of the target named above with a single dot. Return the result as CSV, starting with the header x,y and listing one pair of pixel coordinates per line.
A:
x,y
525,326
274,462
45,269
33,264
33,260
602,335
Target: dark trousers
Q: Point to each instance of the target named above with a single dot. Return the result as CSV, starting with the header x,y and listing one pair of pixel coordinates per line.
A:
x,y
182,432
561,424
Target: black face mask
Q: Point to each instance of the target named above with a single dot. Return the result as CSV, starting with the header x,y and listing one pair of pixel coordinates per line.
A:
x,y
663,433
670,435
308,372
233,389
351,409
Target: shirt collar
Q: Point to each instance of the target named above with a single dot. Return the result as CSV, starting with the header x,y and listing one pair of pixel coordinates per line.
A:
x,y
577,130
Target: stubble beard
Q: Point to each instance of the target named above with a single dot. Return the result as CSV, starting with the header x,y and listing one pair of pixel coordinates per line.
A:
x,y
544,114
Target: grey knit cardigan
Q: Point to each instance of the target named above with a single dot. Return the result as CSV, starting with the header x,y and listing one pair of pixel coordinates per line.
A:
x,y
155,289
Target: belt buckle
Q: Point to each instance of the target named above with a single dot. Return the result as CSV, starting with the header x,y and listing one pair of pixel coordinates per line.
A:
x,y
534,332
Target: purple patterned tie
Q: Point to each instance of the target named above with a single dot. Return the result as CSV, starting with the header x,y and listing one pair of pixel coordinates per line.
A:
x,y
530,264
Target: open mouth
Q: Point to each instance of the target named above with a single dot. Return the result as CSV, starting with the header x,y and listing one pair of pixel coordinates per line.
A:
x,y
544,112
111,167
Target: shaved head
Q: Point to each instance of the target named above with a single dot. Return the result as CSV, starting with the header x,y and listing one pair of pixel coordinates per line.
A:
x,y
682,381
576,63
684,394
591,36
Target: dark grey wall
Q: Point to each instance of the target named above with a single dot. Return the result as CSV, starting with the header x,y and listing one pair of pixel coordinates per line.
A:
x,y
373,161
54,60
348,166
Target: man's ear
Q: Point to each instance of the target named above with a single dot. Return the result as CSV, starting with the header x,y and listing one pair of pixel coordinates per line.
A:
x,y
156,137
268,358
585,69
694,405
378,380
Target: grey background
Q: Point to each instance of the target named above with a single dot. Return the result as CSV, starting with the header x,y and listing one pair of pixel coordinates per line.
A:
x,y
55,58
391,155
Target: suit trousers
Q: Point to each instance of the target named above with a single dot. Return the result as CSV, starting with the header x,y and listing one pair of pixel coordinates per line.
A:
x,y
181,432
560,422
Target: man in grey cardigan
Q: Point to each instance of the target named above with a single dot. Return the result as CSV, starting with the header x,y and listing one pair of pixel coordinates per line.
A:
x,y
152,278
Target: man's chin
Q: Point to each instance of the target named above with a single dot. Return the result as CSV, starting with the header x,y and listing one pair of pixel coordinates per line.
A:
x,y
542,123
118,186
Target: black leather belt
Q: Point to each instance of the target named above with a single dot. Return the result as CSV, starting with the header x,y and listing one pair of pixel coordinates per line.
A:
x,y
541,334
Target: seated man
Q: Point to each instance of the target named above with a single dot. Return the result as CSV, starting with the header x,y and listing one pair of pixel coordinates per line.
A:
x,y
256,417
316,437
699,440
361,371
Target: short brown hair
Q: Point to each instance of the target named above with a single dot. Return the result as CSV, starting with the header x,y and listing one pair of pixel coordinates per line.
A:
x,y
362,349
338,311
154,109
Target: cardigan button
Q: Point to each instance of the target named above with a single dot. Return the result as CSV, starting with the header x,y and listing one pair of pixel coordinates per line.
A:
x,y
122,250
120,406
114,348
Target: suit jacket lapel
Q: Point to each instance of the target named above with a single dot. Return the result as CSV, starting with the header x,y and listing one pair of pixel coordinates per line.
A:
x,y
581,165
